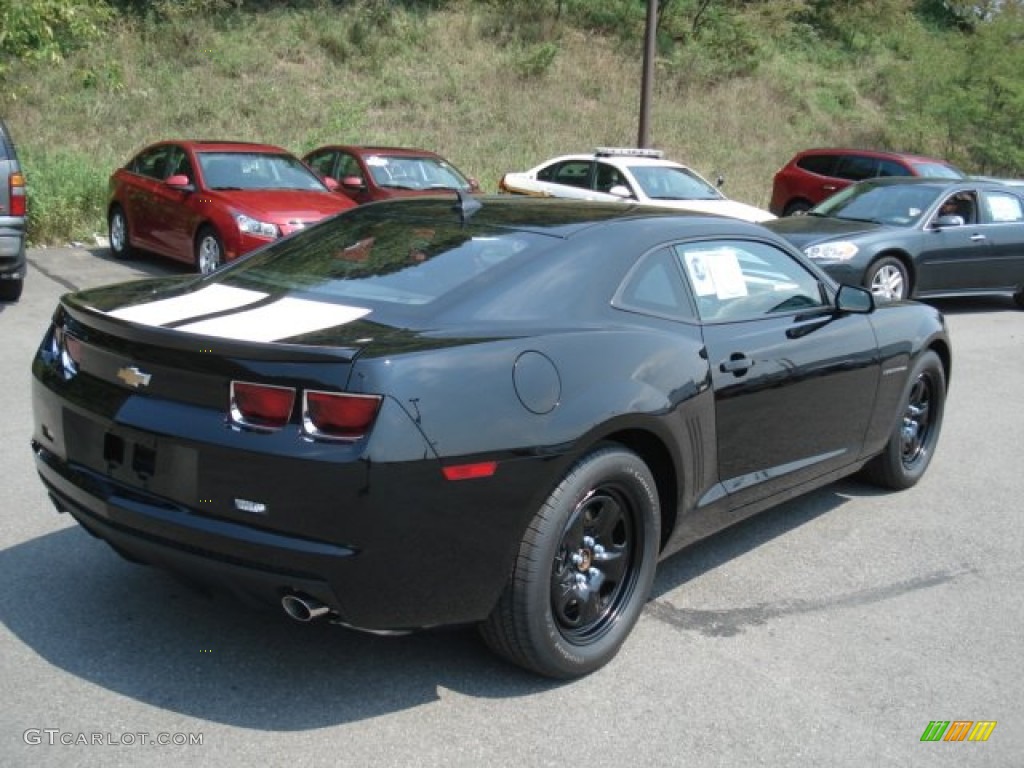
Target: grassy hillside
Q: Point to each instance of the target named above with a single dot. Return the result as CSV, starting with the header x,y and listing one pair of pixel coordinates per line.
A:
x,y
464,81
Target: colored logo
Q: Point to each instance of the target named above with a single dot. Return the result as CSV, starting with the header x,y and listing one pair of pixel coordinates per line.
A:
x,y
133,377
958,730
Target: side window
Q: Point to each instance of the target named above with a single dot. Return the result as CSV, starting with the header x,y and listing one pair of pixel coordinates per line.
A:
x,y
348,166
857,168
823,165
178,164
608,176
891,168
746,280
322,163
962,204
655,287
574,173
1003,208
153,163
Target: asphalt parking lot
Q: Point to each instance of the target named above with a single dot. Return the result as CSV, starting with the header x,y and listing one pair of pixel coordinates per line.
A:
x,y
830,631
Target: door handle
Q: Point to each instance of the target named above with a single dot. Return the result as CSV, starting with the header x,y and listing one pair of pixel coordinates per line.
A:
x,y
737,364
978,238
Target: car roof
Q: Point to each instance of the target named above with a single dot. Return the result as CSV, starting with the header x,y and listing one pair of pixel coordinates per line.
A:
x,y
216,145
879,153
370,149
924,181
561,217
622,159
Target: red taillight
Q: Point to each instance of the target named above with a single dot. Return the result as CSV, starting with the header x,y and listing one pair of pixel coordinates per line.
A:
x,y
342,416
470,471
17,194
262,406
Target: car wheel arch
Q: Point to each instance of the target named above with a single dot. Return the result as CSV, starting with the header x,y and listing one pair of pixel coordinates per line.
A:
x,y
656,454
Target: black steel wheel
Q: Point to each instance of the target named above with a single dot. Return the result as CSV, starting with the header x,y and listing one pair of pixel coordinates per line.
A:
x,y
584,569
888,279
117,229
915,435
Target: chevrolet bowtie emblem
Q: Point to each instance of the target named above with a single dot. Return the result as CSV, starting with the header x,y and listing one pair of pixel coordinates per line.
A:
x,y
133,377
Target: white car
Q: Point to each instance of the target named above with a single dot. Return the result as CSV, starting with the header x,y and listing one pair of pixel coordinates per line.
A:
x,y
634,175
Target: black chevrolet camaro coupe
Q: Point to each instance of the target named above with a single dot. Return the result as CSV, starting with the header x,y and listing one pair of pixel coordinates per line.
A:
x,y
498,411
919,238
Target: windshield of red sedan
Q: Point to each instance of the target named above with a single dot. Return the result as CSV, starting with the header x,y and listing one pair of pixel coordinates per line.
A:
x,y
256,170
406,172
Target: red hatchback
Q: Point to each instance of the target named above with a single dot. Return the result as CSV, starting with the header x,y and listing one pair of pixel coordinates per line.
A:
x,y
209,202
816,174
367,174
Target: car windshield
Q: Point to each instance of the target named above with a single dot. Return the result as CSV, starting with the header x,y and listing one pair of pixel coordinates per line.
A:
x,y
937,171
405,172
369,259
901,205
660,182
256,170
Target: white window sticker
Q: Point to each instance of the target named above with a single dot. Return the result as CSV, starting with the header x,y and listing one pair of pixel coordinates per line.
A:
x,y
716,273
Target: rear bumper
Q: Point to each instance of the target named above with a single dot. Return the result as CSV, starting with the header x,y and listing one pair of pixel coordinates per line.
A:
x,y
12,251
258,565
419,551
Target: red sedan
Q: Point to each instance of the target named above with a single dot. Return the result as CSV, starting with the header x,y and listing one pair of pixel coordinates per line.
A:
x,y
209,202
367,174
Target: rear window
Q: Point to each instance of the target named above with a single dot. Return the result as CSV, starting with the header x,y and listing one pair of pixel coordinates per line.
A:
x,y
5,141
823,165
370,260
937,171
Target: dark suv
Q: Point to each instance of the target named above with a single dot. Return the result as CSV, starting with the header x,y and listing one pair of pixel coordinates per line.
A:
x,y
815,174
12,219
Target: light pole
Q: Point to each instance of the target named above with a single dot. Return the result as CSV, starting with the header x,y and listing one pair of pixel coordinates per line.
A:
x,y
647,82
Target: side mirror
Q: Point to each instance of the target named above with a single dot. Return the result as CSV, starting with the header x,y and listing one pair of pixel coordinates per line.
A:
x,y
180,182
331,183
621,190
948,221
720,181
474,185
855,300
353,183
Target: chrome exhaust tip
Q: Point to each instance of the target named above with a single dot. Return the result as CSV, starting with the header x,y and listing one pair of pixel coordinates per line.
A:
x,y
302,608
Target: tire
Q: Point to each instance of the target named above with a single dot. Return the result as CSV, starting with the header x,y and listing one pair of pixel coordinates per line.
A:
x,y
795,207
209,251
583,571
117,230
916,433
1018,298
888,279
10,290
